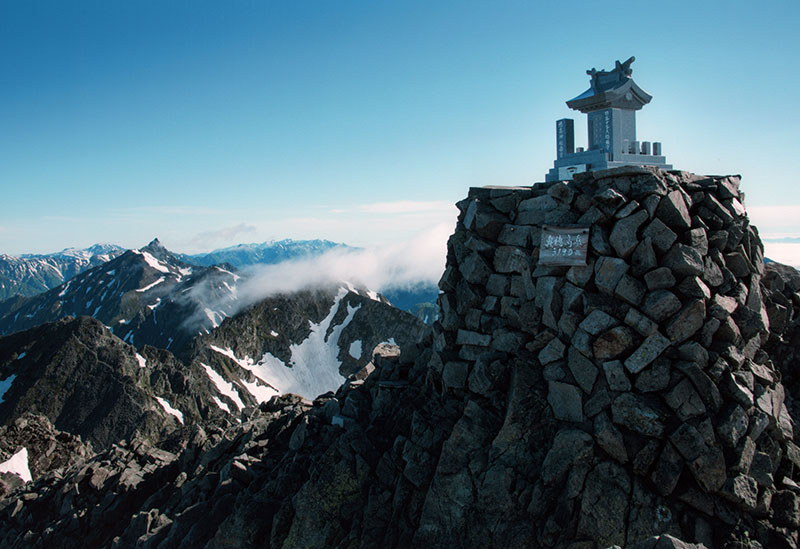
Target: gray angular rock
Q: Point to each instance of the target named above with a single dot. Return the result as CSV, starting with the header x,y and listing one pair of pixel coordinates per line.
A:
x,y
697,239
687,322
722,306
660,305
639,414
684,261
489,222
672,210
702,382
624,236
475,269
732,425
615,376
662,236
640,322
654,378
570,447
552,352
598,240
604,505
607,273
667,471
583,370
659,279
613,343
738,263
498,285
712,273
533,211
693,286
786,509
455,374
716,207
741,490
565,400
510,259
581,275
466,337
643,258
685,401
630,290
515,235
648,351
548,300
597,321
609,438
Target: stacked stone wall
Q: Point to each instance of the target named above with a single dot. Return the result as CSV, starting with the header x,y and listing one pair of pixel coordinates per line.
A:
x,y
664,413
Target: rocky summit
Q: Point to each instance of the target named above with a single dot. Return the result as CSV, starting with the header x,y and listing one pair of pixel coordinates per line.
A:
x,y
647,398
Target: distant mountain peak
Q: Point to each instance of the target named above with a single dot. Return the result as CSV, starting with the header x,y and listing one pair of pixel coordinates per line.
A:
x,y
155,245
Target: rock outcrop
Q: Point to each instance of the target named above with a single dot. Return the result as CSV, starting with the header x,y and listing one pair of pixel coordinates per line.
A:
x,y
639,400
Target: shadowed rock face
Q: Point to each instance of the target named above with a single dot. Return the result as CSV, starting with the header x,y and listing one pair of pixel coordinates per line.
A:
x,y
89,383
642,395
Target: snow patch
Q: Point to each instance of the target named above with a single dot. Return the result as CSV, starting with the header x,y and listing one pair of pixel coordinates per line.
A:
x,y
223,386
154,263
169,409
212,317
246,363
373,296
5,385
97,310
273,333
66,288
18,464
221,404
314,362
355,349
261,393
154,305
21,355
141,360
156,283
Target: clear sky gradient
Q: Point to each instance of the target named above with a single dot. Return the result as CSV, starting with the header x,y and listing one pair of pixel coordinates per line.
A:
x,y
212,123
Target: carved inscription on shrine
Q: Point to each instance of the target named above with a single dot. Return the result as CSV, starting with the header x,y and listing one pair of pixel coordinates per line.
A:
x,y
563,245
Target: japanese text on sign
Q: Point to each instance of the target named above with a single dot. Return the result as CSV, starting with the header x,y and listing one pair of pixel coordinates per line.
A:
x,y
563,246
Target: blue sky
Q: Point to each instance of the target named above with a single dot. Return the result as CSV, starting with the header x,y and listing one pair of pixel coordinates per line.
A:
x,y
212,123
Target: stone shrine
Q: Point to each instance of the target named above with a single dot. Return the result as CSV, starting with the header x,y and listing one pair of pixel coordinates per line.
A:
x,y
610,104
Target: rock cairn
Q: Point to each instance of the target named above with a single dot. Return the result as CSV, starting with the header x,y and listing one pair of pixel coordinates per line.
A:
x,y
668,410
640,400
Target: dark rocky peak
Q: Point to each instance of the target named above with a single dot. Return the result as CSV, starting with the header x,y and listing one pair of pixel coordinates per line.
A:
x,y
154,246
38,449
90,383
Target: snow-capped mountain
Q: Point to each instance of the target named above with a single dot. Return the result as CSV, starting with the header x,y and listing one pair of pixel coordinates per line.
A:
x,y
132,294
305,343
273,251
30,274
89,382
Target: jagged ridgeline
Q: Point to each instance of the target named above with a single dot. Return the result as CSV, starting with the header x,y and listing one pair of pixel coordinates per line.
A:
x,y
650,392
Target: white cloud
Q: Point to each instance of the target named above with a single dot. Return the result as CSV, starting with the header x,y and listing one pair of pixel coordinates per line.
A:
x,y
402,207
420,259
225,234
784,219
407,206
787,253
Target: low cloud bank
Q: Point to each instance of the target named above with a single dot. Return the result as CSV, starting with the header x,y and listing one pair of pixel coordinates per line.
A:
x,y
420,260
